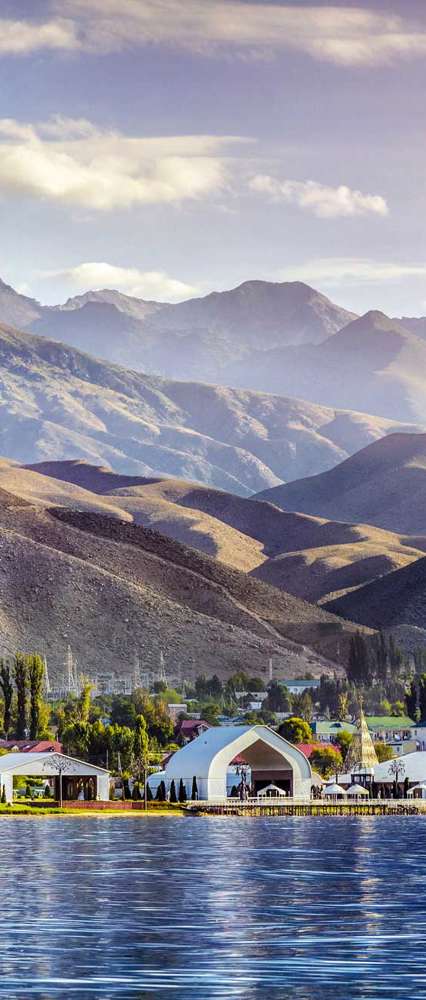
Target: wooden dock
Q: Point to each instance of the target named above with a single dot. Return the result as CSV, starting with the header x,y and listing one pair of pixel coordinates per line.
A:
x,y
315,807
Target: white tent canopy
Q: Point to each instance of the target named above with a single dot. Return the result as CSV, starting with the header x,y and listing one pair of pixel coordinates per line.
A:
x,y
271,791
268,756
418,788
356,790
334,789
51,765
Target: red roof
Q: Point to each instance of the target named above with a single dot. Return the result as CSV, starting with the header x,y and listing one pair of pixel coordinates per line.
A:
x,y
32,746
189,725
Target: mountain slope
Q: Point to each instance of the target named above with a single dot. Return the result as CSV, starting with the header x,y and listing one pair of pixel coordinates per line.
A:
x,y
57,401
196,339
383,484
397,599
305,556
115,591
372,364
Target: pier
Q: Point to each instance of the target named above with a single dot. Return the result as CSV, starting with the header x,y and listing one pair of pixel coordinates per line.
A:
x,y
314,807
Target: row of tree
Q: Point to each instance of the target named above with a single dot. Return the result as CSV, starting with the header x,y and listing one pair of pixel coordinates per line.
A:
x,y
21,688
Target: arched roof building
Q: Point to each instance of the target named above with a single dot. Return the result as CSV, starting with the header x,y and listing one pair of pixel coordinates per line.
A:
x,y
271,759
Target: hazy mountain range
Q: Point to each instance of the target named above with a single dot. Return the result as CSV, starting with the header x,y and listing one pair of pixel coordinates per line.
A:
x,y
284,338
57,402
384,484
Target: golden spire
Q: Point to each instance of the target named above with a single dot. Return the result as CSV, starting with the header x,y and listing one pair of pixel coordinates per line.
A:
x,y
361,754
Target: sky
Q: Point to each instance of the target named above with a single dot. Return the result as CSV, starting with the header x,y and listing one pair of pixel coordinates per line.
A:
x,y
169,148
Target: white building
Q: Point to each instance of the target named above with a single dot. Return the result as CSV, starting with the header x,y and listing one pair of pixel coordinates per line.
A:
x,y
269,758
410,766
75,778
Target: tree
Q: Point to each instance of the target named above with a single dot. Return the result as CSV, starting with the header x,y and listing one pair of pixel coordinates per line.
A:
x,y
194,791
358,671
411,701
182,791
343,706
296,730
326,760
303,706
161,792
173,796
35,668
84,701
148,794
140,744
343,740
3,795
278,699
422,697
383,752
6,687
21,682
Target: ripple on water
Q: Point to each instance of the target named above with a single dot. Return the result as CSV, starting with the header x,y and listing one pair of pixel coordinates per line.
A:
x,y
302,909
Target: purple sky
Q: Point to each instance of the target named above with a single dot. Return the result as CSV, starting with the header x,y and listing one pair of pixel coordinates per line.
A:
x,y
169,147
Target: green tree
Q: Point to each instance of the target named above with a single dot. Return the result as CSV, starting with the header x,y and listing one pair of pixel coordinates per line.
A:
x,y
3,795
383,751
84,701
182,791
358,671
296,730
303,706
278,699
343,740
194,791
21,683
35,670
326,760
173,796
422,697
6,687
411,701
140,744
161,792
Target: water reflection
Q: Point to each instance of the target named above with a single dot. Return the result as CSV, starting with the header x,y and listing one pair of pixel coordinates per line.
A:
x,y
306,909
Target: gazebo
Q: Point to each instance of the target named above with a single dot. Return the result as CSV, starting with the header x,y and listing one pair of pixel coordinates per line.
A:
x,y
72,778
418,791
334,790
357,791
271,792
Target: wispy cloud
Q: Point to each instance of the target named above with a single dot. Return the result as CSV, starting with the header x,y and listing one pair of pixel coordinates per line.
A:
x,y
74,163
155,285
335,271
346,36
319,199
23,37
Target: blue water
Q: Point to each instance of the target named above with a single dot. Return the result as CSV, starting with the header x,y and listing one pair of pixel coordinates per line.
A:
x,y
213,907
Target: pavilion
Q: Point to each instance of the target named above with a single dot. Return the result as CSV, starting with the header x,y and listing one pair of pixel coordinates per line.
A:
x,y
268,757
72,778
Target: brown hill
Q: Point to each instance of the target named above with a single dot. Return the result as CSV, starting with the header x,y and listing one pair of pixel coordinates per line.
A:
x,y
115,591
383,484
303,555
397,599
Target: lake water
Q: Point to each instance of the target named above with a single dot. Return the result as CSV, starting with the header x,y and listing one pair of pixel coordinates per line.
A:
x,y
301,909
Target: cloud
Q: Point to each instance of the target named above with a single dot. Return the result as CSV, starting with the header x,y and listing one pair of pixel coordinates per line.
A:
x,y
23,37
155,285
323,201
334,271
74,163
346,36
